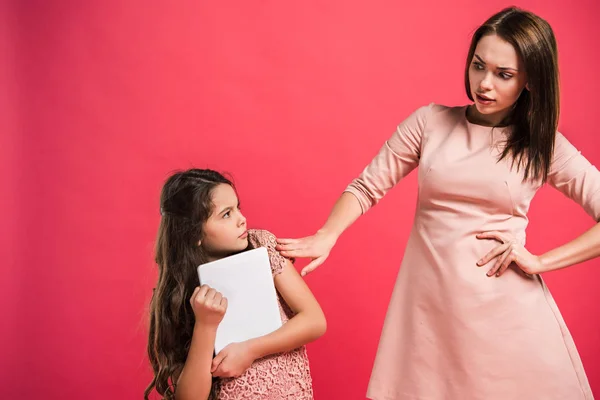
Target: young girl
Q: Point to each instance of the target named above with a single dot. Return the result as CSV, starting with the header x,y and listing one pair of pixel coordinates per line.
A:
x,y
201,222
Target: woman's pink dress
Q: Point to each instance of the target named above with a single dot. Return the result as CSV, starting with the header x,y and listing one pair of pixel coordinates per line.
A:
x,y
451,332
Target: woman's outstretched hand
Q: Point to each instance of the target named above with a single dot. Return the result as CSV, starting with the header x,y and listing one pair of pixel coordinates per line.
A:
x,y
315,247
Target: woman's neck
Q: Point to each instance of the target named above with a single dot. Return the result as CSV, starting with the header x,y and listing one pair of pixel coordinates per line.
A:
x,y
496,119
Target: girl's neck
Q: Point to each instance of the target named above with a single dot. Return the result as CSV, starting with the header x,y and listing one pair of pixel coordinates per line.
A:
x,y
216,257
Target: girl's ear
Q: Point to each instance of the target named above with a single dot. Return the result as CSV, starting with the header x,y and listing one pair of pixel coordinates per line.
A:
x,y
527,86
199,243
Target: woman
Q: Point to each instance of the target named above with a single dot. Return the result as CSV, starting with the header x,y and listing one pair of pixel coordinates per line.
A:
x,y
451,332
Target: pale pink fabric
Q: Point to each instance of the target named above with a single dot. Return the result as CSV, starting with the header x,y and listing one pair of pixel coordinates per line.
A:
x,y
451,332
284,376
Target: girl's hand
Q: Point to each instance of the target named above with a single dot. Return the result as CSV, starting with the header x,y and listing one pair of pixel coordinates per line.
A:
x,y
233,360
209,306
509,251
316,247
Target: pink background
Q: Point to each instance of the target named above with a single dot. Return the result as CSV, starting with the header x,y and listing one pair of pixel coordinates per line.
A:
x,y
101,100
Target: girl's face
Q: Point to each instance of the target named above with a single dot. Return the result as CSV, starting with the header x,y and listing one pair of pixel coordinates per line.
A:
x,y
225,231
496,77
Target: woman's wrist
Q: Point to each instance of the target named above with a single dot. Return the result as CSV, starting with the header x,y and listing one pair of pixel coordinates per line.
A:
x,y
328,234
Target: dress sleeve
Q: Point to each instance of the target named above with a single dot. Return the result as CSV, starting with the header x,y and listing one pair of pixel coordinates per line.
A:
x,y
575,177
262,238
399,155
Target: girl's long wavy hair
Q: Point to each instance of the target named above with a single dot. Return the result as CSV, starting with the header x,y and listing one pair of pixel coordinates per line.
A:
x,y
534,119
185,205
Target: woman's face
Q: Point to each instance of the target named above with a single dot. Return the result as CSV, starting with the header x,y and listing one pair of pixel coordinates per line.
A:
x,y
496,77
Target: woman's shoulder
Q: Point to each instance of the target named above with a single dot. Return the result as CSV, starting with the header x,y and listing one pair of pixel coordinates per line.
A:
x,y
449,111
440,113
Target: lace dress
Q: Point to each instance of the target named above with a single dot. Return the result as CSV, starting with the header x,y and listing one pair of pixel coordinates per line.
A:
x,y
278,376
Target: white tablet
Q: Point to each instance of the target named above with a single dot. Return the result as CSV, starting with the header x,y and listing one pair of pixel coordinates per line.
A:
x,y
245,279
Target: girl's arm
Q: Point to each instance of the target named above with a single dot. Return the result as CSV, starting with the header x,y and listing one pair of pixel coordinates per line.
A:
x,y
195,380
305,326
308,323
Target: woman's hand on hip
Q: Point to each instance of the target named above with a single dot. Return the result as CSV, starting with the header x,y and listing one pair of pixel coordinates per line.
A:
x,y
507,252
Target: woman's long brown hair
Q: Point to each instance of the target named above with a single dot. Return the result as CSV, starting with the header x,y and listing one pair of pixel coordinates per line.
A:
x,y
534,119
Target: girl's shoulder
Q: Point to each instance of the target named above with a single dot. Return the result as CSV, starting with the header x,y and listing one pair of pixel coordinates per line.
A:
x,y
264,238
261,238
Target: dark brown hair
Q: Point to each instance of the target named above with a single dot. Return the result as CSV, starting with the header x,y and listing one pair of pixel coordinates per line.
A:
x,y
185,205
534,119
